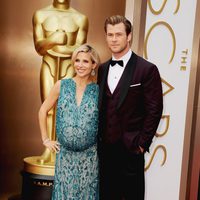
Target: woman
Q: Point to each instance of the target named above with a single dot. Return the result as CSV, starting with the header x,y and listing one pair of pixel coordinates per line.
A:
x,y
76,169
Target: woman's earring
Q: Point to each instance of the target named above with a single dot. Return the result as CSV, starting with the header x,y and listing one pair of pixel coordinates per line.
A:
x,y
93,72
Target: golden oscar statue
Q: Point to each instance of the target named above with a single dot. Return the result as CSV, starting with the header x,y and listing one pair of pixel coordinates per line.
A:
x,y
58,30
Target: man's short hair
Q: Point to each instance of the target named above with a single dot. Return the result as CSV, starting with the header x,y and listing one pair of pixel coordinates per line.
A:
x,y
117,19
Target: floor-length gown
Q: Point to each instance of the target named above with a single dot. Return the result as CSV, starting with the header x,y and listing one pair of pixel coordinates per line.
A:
x,y
76,168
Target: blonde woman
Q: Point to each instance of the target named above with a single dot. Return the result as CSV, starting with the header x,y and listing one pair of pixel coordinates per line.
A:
x,y
76,169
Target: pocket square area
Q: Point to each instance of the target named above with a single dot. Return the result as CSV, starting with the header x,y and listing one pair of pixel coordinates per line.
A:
x,y
134,85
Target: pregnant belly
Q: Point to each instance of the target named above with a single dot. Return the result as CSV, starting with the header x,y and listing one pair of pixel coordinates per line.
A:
x,y
77,139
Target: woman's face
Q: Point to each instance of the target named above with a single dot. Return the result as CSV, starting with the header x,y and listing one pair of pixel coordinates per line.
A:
x,y
83,65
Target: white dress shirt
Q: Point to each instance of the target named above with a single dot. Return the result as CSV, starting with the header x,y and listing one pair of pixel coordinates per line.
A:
x,y
115,72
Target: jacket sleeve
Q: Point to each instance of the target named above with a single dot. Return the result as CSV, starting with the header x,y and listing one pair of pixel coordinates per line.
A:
x,y
153,106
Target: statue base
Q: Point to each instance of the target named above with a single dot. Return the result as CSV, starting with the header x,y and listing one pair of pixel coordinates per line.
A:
x,y
36,187
37,179
36,165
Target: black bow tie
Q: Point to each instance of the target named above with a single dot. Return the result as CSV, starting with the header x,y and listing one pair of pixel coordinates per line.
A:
x,y
119,62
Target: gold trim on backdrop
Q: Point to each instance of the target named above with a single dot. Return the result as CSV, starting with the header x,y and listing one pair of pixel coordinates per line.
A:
x,y
169,87
165,118
157,12
162,147
172,34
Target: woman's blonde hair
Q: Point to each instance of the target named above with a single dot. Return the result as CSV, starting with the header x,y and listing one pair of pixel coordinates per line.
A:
x,y
86,49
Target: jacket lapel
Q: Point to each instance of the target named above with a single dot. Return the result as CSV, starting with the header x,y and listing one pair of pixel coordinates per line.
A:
x,y
102,82
126,78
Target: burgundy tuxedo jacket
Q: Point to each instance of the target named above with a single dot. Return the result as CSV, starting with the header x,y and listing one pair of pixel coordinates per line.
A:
x,y
140,102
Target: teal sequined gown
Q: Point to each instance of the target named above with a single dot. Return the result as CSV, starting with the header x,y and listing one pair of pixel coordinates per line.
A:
x,y
76,169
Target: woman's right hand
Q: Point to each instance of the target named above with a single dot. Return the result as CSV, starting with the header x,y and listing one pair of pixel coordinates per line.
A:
x,y
52,145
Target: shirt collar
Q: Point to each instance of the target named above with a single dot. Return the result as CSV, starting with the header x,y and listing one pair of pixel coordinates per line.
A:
x,y
125,57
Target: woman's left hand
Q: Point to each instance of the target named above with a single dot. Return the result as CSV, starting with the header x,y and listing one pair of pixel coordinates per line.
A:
x,y
52,145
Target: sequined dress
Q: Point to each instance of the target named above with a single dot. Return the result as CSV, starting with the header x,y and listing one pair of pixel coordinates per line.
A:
x,y
76,168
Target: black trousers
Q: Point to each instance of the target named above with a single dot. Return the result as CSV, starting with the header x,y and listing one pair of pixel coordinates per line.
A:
x,y
121,173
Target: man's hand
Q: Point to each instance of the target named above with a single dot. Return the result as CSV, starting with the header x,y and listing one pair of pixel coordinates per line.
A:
x,y
141,149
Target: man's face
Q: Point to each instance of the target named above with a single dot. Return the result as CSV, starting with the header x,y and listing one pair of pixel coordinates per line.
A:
x,y
117,40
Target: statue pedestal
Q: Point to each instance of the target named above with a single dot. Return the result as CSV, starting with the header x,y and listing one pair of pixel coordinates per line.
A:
x,y
37,179
36,187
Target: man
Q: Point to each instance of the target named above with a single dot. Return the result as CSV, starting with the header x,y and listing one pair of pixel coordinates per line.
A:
x,y
58,30
130,110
